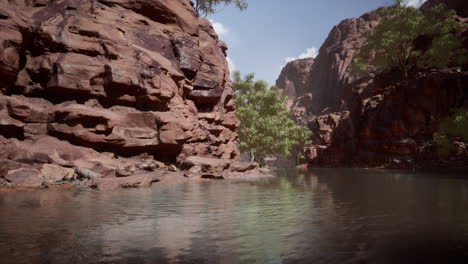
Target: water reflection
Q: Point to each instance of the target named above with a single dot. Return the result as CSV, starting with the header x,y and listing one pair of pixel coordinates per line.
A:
x,y
316,216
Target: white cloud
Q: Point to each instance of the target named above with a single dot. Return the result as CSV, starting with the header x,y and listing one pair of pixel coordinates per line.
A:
x,y
310,52
232,66
219,28
415,3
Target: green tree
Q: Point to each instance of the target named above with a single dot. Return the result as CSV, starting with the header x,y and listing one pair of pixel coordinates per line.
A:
x,y
266,128
393,42
452,127
207,7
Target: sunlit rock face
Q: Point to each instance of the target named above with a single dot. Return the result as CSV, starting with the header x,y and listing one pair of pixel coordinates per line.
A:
x,y
80,78
376,119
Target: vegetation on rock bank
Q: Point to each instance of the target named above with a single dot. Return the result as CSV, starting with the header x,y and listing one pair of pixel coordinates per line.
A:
x,y
207,7
452,127
266,128
408,38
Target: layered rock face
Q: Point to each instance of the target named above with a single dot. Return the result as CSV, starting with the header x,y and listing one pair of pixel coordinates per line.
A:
x,y
329,75
293,78
376,119
94,83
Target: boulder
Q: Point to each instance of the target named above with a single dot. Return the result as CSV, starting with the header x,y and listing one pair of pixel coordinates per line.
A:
x,y
205,165
7,165
239,166
207,96
151,165
25,178
83,173
55,173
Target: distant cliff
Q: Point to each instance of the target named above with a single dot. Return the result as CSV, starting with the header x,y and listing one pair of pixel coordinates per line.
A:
x,y
293,78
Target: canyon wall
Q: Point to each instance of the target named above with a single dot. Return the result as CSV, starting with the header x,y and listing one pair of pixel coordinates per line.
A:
x,y
97,83
376,119
329,75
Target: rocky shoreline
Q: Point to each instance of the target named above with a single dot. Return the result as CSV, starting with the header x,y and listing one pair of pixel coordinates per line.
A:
x,y
15,176
112,94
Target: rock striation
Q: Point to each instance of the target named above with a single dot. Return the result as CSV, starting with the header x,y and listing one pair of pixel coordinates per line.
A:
x,y
111,85
376,119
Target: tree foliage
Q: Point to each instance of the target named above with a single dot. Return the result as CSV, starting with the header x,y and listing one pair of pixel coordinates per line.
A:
x,y
455,126
407,38
266,128
207,7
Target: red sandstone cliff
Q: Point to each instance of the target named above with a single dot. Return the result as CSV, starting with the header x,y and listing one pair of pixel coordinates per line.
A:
x,y
377,119
109,85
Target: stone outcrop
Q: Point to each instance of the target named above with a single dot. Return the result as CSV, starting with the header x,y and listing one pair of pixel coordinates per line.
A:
x,y
329,77
293,78
99,84
376,119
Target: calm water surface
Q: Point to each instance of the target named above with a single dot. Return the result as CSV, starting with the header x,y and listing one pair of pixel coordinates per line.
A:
x,y
315,216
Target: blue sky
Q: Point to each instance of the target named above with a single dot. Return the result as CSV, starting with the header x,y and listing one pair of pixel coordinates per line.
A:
x,y
269,32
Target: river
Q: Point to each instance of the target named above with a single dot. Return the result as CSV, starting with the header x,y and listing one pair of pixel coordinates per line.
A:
x,y
300,216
